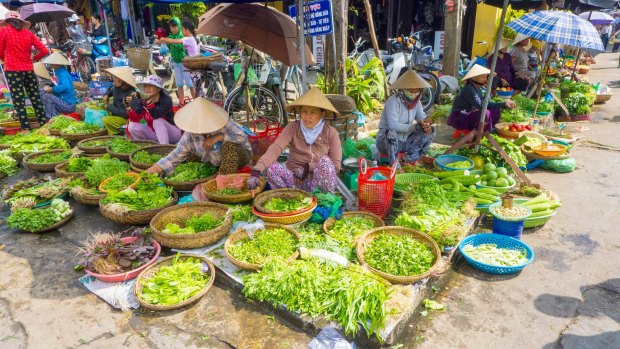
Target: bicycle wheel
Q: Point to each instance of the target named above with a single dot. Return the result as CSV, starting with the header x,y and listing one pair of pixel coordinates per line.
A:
x,y
433,80
85,67
245,105
427,99
207,86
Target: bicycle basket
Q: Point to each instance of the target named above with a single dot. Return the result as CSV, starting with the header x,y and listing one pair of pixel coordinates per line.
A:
x,y
139,58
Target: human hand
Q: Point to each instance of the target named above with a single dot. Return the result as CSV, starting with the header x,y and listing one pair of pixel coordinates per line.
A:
x,y
510,104
254,180
47,89
301,172
504,83
105,99
155,169
210,141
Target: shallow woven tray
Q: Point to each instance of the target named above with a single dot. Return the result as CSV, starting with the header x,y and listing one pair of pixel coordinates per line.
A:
x,y
60,172
85,198
163,149
262,199
211,186
135,217
201,62
81,136
186,186
147,273
94,150
56,225
329,223
180,214
42,167
499,129
125,157
286,219
419,236
602,98
240,234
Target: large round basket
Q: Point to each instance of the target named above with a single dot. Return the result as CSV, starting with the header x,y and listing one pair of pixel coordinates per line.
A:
x,y
201,62
49,167
54,132
583,69
61,171
125,157
344,104
180,214
602,98
499,129
134,217
186,186
82,196
56,225
150,271
501,241
286,218
80,136
533,222
132,273
261,199
94,150
210,188
241,234
163,149
418,236
329,223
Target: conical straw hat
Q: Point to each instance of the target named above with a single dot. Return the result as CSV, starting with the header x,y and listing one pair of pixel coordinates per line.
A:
x,y
476,70
409,80
504,43
521,37
312,98
56,58
41,71
123,73
201,116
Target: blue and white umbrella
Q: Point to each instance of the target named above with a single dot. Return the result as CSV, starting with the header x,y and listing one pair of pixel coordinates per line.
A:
x,y
559,27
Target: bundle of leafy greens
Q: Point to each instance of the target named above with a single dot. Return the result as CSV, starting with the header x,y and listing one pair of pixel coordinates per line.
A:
x,y
96,143
49,158
288,204
121,145
33,142
119,181
263,245
79,164
577,104
240,213
35,219
312,237
228,191
81,128
8,165
105,167
107,254
145,157
190,171
60,122
37,193
348,228
149,193
195,224
398,255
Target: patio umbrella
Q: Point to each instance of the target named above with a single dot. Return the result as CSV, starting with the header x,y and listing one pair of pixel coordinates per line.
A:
x,y
41,12
262,27
596,17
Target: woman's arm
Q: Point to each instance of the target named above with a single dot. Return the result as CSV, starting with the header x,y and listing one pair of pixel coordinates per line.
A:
x,y
177,156
284,139
38,45
163,108
392,112
171,41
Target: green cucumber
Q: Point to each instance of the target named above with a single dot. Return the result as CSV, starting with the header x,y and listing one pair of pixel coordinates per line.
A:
x,y
540,207
481,201
541,214
447,174
486,196
540,199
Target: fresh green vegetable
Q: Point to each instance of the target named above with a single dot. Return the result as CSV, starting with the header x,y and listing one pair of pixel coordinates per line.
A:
x,y
228,191
149,193
436,150
205,222
190,171
173,228
119,181
103,168
79,164
8,165
61,122
398,255
145,157
312,237
96,143
514,115
51,158
33,142
288,204
492,255
36,192
121,145
348,228
80,127
263,245
240,213
459,164
32,220
577,104
491,156
177,282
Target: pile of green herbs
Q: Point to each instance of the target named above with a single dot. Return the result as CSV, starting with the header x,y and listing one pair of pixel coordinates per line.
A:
x,y
60,122
36,219
577,104
121,145
488,153
82,185
103,168
96,143
399,255
51,158
350,296
81,128
313,238
177,282
240,213
149,193
288,204
8,165
348,228
145,157
228,191
32,143
79,164
436,150
264,244
119,181
514,115
195,224
190,171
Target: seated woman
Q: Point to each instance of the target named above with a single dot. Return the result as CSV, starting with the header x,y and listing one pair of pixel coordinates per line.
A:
x,y
505,71
467,105
211,136
315,152
404,127
124,85
59,98
156,110
521,59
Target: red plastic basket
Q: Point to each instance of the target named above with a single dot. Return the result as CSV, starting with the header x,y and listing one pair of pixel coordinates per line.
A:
x,y
132,274
375,196
268,133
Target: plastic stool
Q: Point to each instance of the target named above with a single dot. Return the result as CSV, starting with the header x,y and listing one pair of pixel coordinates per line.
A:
x,y
76,116
460,133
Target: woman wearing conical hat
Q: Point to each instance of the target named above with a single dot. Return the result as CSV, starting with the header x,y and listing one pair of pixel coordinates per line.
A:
x,y
505,70
123,86
315,152
404,127
467,105
59,98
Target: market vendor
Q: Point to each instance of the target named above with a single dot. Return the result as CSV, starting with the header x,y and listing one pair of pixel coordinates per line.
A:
x,y
404,127
315,152
505,70
521,59
211,136
124,86
59,98
156,110
467,105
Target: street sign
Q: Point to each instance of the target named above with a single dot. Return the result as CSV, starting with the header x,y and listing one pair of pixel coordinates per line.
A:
x,y
439,42
318,49
318,17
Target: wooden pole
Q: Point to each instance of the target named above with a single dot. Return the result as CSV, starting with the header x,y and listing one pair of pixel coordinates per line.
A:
x,y
453,28
373,38
576,66
341,8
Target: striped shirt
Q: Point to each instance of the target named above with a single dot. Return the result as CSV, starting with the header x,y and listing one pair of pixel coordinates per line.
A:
x,y
191,144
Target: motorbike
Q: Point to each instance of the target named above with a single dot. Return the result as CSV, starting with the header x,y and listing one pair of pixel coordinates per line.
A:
x,y
100,47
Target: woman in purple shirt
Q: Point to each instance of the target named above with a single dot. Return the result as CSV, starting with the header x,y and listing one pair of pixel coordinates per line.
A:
x,y
506,75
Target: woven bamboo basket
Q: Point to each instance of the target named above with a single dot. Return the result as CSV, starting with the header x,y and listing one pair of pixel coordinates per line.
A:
x,y
94,150
180,214
42,167
261,199
343,103
54,132
186,186
201,62
329,223
346,125
56,225
125,157
583,69
602,98
61,172
286,219
141,217
131,274
419,236
241,234
211,186
164,149
81,136
147,273
83,197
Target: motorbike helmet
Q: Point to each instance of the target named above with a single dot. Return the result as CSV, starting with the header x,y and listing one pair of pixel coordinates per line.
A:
x,y
74,18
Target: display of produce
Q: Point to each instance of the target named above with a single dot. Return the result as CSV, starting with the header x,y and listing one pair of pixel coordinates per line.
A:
x,y
517,128
149,193
119,181
542,206
103,168
348,228
496,177
459,164
80,127
145,157
577,104
96,143
51,158
190,171
195,224
121,145
36,219
107,254
240,213
79,164
263,245
313,238
514,115
492,255
398,255
510,212
33,193
8,165
436,149
61,122
288,204
488,153
32,143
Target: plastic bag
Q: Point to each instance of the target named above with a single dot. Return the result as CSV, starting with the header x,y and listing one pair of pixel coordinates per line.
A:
x,y
349,151
560,166
94,116
229,181
252,228
328,205
117,294
330,338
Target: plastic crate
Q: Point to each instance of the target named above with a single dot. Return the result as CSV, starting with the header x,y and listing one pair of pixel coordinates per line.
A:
x,y
265,134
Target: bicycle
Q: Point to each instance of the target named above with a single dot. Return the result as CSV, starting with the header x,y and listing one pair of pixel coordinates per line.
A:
x,y
80,60
480,60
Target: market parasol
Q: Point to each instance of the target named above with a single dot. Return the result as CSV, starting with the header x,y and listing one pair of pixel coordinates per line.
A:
x,y
596,17
262,27
41,12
